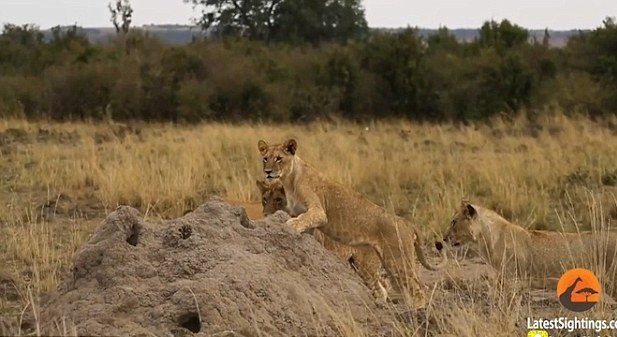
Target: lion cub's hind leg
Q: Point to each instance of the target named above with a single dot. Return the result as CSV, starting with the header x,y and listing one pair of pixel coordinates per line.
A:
x,y
398,258
368,265
364,260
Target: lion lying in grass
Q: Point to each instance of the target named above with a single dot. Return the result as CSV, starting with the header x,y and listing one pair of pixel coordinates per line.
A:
x,y
538,256
363,259
348,217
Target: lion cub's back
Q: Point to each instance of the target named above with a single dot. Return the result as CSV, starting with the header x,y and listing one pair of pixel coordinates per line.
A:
x,y
348,203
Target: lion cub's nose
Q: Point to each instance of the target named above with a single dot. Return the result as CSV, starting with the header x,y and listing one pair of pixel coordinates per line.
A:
x,y
268,171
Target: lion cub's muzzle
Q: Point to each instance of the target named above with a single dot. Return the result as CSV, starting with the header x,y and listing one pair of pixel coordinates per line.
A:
x,y
271,175
439,245
453,243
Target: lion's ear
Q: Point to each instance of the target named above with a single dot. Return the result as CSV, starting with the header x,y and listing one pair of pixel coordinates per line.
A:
x,y
470,211
262,146
291,146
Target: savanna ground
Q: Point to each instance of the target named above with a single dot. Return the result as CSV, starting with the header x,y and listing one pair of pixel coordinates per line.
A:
x,y
58,181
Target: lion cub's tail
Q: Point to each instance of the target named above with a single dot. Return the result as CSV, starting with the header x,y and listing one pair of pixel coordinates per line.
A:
x,y
420,252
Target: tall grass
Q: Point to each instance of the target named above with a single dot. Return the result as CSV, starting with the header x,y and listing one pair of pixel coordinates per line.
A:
x,y
59,180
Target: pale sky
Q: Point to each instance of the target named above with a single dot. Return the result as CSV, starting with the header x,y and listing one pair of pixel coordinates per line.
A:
x,y
532,14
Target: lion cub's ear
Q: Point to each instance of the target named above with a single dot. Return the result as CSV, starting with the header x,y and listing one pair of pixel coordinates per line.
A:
x,y
290,146
469,210
262,146
261,185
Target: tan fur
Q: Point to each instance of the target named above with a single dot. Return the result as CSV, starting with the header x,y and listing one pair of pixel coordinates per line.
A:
x,y
348,217
363,259
272,197
538,256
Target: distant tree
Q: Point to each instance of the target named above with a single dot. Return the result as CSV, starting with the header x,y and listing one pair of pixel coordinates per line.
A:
x,y
399,62
502,36
442,40
310,21
28,35
20,49
603,42
595,53
316,21
62,37
69,43
249,18
546,38
121,16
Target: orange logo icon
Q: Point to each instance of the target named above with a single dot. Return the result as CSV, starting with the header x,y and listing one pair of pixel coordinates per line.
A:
x,y
578,290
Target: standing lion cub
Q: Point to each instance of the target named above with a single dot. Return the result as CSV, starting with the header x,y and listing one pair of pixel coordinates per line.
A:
x,y
348,217
363,259
538,256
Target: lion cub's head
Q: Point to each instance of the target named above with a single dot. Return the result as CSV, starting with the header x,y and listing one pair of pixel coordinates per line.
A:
x,y
463,227
272,196
277,159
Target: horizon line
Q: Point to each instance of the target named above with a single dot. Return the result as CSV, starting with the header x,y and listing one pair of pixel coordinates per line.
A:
x,y
370,27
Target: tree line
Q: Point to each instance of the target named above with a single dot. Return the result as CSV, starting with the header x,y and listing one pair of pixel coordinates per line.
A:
x,y
274,60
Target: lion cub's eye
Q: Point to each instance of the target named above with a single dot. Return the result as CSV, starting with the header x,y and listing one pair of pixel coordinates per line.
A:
x,y
279,200
264,200
265,160
279,158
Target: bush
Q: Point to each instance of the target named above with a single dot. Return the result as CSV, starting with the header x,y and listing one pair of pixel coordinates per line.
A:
x,y
579,93
399,61
20,96
127,95
64,76
193,102
79,91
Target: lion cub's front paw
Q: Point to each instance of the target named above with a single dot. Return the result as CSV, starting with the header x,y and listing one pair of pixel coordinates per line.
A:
x,y
295,224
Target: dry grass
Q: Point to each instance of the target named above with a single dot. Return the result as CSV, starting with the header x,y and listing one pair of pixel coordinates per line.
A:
x,y
59,180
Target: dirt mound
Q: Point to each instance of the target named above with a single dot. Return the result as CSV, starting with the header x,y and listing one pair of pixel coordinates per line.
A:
x,y
210,272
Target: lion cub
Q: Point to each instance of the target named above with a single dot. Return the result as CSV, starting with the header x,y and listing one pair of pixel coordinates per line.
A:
x,y
538,256
348,217
364,260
